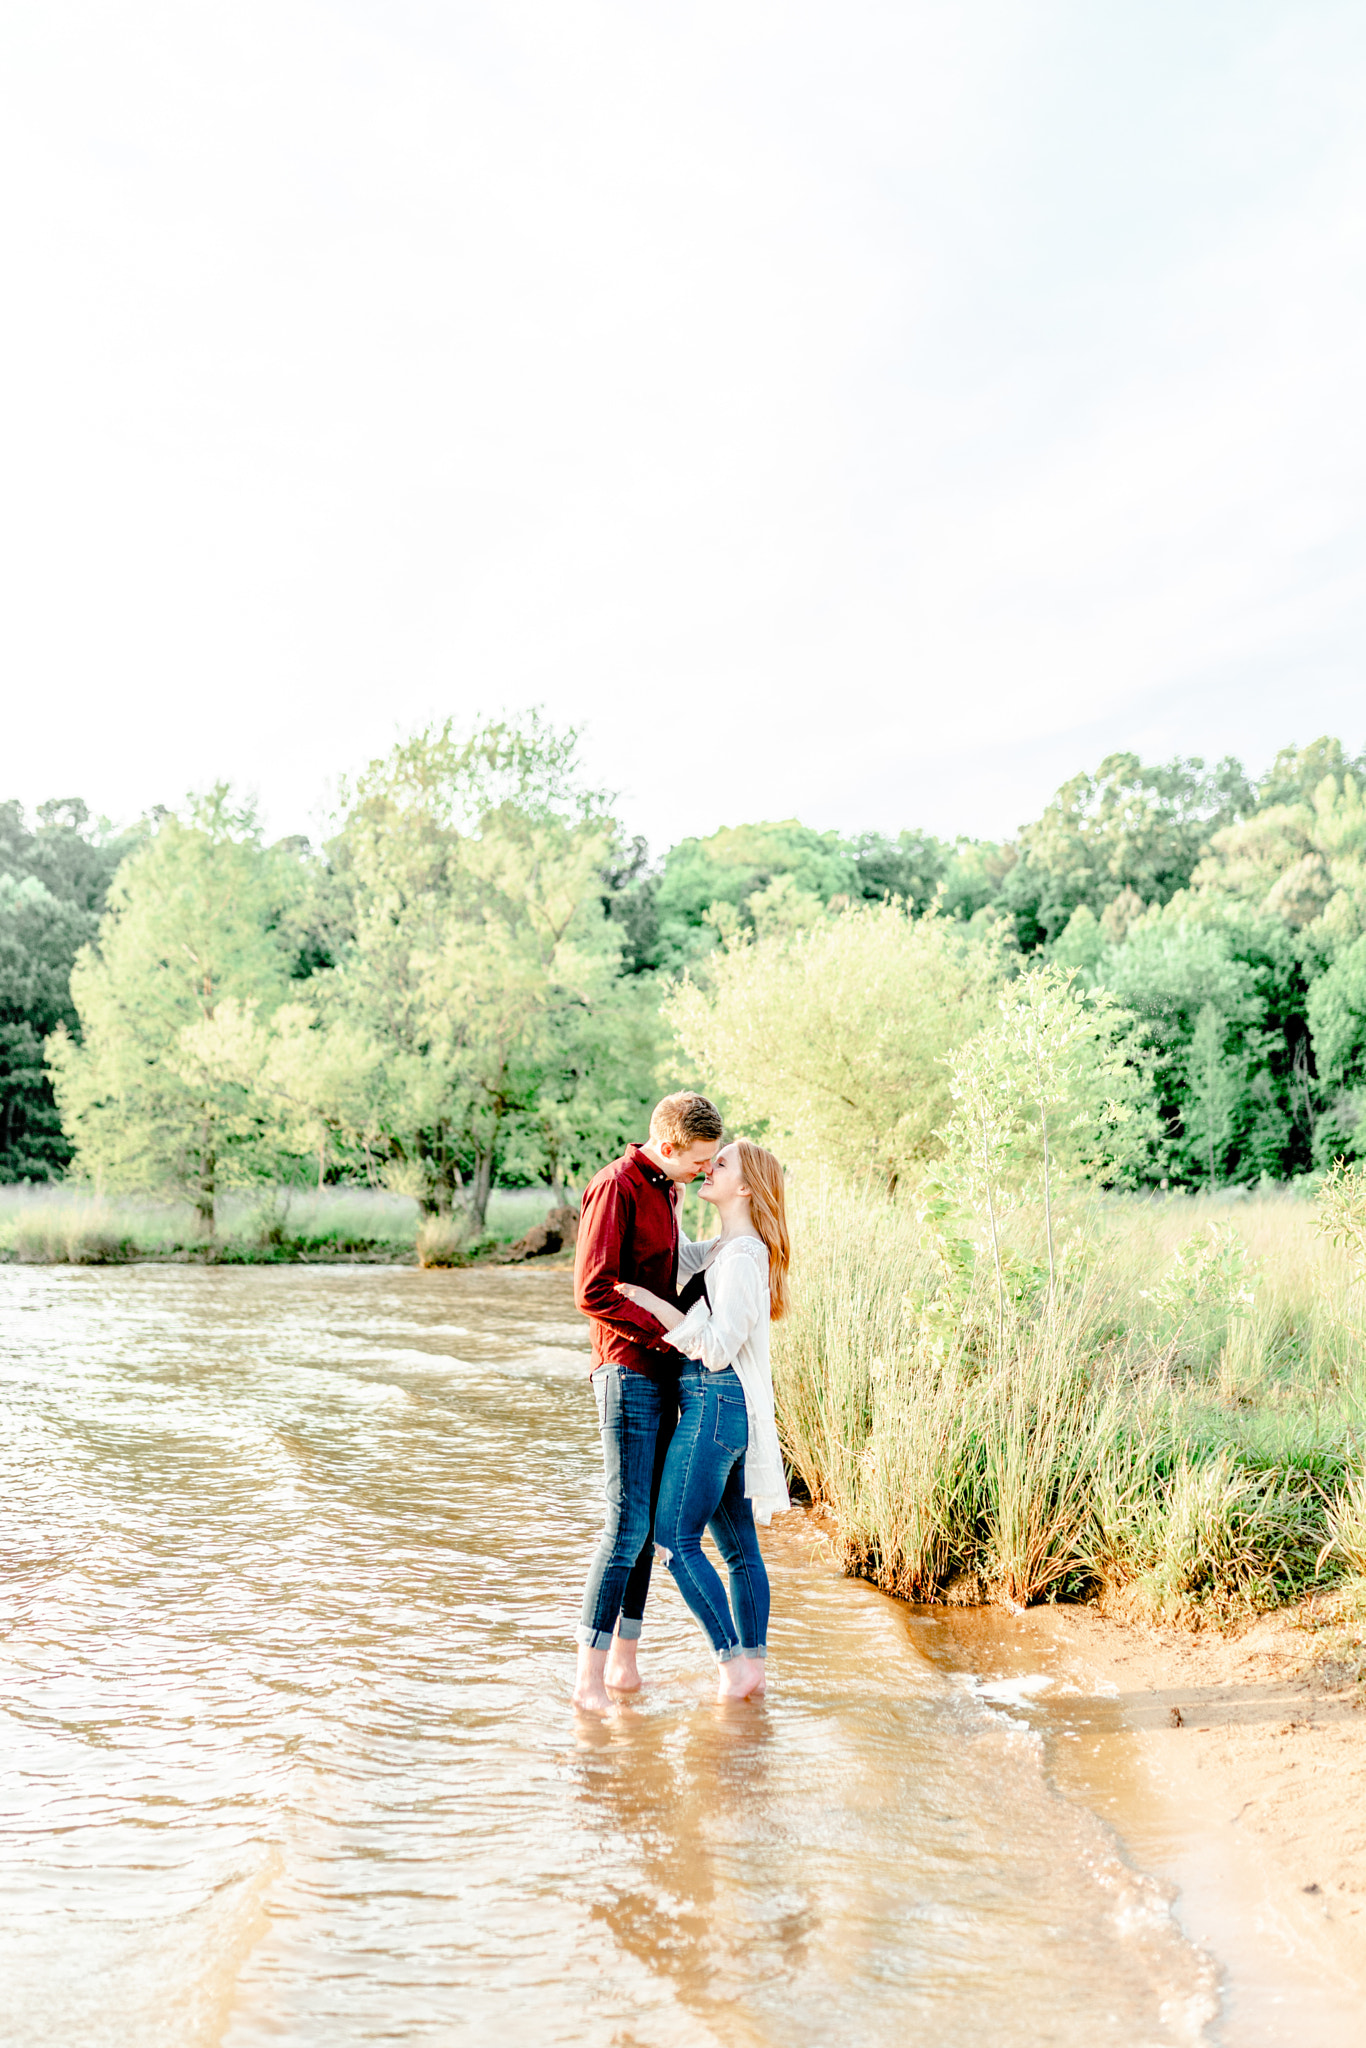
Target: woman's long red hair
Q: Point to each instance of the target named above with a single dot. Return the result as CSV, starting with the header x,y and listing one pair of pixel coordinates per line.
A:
x,y
763,1176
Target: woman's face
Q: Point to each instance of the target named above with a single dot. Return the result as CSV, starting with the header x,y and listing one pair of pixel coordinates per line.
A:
x,y
724,1180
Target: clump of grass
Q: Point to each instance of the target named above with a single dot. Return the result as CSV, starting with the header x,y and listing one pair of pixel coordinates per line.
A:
x,y
444,1240
74,1237
1175,1421
1347,1524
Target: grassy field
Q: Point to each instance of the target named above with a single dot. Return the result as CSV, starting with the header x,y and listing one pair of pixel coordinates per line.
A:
x,y
66,1225
1187,1419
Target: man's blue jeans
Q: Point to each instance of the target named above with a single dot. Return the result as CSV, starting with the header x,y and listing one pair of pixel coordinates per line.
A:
x,y
636,1420
704,1488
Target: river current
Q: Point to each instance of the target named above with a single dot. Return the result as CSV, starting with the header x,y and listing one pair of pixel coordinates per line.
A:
x,y
292,1561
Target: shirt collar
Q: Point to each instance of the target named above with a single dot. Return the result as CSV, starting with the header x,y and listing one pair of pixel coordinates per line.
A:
x,y
646,1168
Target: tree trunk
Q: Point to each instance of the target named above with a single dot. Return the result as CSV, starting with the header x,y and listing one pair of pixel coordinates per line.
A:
x,y
481,1186
207,1188
557,1190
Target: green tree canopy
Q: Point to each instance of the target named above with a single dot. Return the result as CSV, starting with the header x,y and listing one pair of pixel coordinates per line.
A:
x,y
53,880
734,865
833,1039
480,958
198,916
1125,827
1218,985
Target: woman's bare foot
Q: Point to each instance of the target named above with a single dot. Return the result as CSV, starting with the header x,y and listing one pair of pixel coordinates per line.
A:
x,y
590,1692
621,1672
741,1679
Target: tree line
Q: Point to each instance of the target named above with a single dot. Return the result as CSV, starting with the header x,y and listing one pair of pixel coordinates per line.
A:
x,y
480,977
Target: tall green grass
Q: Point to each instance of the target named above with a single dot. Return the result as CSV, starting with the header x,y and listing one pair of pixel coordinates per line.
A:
x,y
75,1226
1186,1420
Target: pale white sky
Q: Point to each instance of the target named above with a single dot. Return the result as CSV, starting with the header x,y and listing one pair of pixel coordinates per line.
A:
x,y
870,412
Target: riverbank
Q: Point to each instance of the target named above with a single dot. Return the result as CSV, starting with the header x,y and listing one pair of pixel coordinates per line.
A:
x,y
1230,1763
1265,1737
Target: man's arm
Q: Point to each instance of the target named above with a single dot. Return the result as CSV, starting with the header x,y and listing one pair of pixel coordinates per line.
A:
x,y
597,1268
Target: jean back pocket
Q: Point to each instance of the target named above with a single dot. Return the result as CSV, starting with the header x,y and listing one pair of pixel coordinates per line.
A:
x,y
731,1428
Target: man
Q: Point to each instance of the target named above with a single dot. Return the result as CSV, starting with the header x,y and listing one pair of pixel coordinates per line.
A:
x,y
628,1230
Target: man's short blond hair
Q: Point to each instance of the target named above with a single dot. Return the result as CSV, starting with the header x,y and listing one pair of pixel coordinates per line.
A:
x,y
685,1120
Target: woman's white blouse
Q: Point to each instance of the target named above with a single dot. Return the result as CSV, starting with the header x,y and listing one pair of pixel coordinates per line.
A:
x,y
732,1329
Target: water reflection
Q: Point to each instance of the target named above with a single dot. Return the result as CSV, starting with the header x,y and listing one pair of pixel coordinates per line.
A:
x,y
294,1559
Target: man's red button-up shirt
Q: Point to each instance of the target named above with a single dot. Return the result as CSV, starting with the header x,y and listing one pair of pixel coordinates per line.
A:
x,y
628,1230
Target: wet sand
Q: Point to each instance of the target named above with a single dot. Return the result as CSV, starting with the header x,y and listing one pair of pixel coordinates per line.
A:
x,y
1232,1765
1278,1746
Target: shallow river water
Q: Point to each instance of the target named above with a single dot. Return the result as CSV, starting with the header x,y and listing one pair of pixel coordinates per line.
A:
x,y
292,1560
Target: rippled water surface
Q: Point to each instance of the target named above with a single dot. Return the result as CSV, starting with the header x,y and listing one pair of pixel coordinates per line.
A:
x,y
292,1563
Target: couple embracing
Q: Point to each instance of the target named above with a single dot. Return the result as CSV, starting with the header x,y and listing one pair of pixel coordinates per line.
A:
x,y
684,1392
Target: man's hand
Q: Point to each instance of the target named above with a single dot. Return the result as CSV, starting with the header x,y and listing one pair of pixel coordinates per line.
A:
x,y
663,1312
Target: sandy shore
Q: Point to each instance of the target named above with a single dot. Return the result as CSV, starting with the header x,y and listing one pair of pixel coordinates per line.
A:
x,y
1268,1738
1234,1764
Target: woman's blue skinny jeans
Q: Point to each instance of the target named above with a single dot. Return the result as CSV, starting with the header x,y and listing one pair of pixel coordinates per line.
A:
x,y
704,1488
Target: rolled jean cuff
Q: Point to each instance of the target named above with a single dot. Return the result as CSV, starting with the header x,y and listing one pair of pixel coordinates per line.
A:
x,y
629,1631
593,1638
729,1656
761,1652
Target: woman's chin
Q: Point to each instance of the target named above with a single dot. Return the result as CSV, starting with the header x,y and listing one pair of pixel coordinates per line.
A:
x,y
705,1195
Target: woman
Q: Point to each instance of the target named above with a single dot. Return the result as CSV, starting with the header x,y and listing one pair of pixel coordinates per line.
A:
x,y
724,1466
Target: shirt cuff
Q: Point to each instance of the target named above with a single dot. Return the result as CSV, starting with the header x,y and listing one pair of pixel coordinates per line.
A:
x,y
690,1329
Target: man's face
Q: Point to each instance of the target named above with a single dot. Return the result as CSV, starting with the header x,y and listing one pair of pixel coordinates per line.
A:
x,y
686,1162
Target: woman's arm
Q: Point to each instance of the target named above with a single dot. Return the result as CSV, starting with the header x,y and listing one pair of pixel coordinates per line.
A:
x,y
714,1332
663,1312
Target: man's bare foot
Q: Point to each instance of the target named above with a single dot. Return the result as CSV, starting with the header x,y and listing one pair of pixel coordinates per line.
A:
x,y
590,1693
741,1679
621,1673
